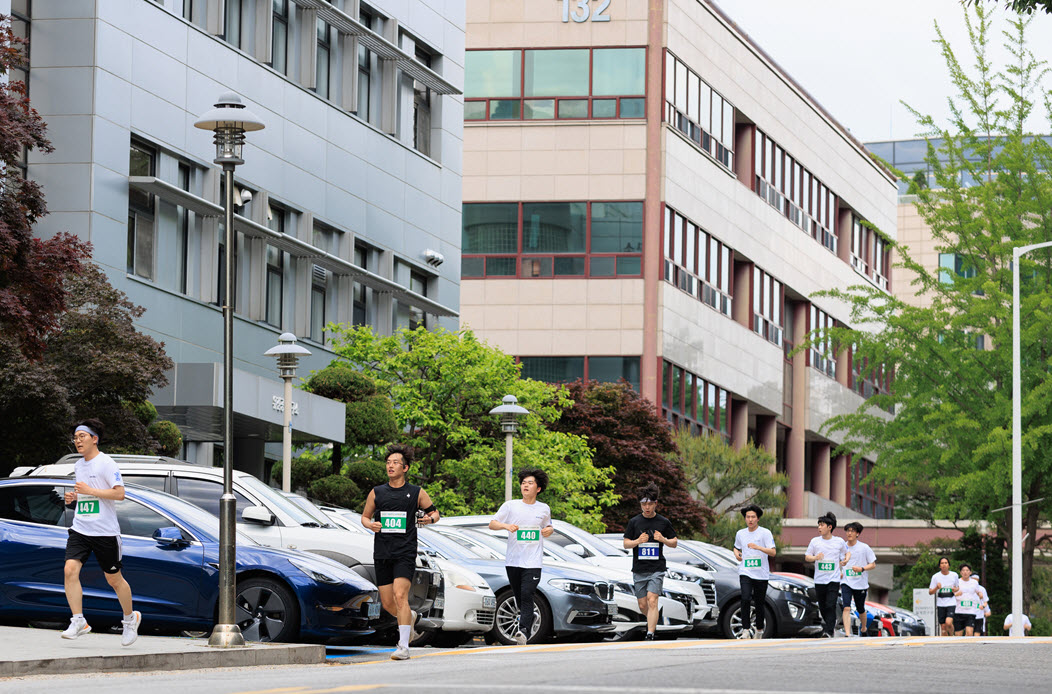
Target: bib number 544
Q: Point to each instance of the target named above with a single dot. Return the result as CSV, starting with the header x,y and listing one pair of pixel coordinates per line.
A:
x,y
581,11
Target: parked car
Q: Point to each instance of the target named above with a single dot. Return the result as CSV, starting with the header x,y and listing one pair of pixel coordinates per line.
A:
x,y
467,602
270,519
170,553
569,602
907,622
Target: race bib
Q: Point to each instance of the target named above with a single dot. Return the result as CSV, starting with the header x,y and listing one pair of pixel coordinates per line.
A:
x,y
851,573
87,505
967,603
650,551
529,534
827,566
752,563
393,521
944,593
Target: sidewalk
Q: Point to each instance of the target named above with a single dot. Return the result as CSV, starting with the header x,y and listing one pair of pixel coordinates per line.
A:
x,y
44,652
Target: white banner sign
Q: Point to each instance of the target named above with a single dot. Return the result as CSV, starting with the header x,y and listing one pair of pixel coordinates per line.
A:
x,y
924,606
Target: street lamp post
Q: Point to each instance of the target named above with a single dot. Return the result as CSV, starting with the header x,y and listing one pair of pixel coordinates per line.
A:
x,y
1017,448
229,120
288,354
509,412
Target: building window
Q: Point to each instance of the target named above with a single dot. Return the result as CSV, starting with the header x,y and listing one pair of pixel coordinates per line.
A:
x,y
768,299
567,369
823,351
183,230
552,239
366,60
18,70
697,263
318,296
698,111
870,379
359,290
692,402
870,254
422,109
141,206
555,84
953,265
232,22
277,220
418,284
866,497
321,81
279,52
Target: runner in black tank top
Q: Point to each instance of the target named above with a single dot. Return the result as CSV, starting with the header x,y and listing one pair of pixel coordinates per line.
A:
x,y
391,512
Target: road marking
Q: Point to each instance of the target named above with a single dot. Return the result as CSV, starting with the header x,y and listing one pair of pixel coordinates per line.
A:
x,y
548,687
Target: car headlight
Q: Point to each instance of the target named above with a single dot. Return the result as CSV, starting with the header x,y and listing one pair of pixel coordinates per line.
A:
x,y
460,580
577,587
623,587
787,587
315,573
679,576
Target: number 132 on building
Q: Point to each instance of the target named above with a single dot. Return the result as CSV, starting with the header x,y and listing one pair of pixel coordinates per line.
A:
x,y
581,11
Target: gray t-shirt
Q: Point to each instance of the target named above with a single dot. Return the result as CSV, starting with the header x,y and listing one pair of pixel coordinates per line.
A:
x,y
755,564
95,516
861,554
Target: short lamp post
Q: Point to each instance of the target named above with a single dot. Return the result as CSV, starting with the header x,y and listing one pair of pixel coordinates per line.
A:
x,y
509,412
229,120
288,354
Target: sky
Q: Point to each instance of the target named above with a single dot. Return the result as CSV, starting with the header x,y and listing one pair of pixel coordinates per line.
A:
x,y
860,58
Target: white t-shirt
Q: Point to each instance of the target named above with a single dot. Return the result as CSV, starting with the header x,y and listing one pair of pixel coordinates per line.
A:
x,y
944,596
1026,622
95,516
526,546
969,599
754,564
833,551
861,554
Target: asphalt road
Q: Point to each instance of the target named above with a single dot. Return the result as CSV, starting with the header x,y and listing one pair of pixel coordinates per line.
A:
x,y
884,666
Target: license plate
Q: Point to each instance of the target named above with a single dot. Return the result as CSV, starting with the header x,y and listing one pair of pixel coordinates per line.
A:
x,y
611,609
374,610
489,602
440,603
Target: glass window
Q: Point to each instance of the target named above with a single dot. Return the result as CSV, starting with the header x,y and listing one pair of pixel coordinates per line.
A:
x,y
34,503
473,267
601,267
571,266
500,267
490,228
474,110
633,108
553,369
617,71
139,520
504,110
492,73
604,108
630,266
562,72
538,109
279,46
573,108
151,481
613,369
554,227
617,227
206,493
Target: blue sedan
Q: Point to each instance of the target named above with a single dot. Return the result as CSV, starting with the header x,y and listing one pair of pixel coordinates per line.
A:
x,y
171,559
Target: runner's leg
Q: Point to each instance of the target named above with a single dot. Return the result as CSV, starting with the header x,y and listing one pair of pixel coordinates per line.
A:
x,y
746,584
527,587
74,591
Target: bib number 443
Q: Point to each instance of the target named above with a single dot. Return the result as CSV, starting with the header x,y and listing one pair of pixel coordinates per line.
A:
x,y
580,11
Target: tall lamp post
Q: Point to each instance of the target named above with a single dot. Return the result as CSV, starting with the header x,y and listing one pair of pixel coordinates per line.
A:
x,y
1017,448
229,120
509,412
288,354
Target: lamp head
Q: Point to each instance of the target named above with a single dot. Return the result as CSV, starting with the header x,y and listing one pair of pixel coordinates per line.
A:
x,y
229,120
288,354
509,412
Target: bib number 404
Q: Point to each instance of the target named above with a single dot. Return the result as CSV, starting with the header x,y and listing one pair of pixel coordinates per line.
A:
x,y
580,11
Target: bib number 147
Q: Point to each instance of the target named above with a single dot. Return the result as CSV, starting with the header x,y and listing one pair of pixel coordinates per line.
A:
x,y
581,11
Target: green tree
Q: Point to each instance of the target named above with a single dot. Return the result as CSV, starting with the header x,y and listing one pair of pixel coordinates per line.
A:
x,y
443,385
1023,6
948,449
726,480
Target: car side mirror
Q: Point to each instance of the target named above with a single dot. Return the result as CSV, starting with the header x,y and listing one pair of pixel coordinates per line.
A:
x,y
576,548
168,537
257,514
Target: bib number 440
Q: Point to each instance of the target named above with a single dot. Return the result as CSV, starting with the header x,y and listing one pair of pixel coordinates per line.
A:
x,y
580,11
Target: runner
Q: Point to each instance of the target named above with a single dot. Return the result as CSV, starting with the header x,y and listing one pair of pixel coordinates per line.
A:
x,y
830,554
391,512
968,602
753,548
647,535
984,608
527,521
95,530
856,578
942,586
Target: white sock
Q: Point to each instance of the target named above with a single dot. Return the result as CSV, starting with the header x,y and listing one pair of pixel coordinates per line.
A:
x,y
403,635
79,615
129,617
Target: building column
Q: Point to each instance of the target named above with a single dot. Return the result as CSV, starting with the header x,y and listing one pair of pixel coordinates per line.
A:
x,y
248,456
767,436
795,441
820,469
838,480
739,424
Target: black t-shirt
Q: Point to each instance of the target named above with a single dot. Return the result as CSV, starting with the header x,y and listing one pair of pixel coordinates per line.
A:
x,y
645,557
396,511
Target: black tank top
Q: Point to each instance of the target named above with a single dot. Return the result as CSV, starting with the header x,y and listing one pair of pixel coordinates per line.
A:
x,y
396,511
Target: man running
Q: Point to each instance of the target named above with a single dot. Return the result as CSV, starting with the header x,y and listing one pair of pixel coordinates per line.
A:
x,y
856,578
96,531
829,553
942,585
391,513
968,602
753,548
527,521
647,535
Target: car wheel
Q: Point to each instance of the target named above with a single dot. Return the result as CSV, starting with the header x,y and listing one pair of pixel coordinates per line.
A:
x,y
731,621
266,610
426,638
506,621
884,631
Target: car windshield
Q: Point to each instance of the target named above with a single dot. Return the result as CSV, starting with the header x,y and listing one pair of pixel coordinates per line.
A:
x,y
310,507
590,543
470,542
276,500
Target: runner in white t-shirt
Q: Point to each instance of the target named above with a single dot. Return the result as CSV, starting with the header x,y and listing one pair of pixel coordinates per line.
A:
x,y
856,578
942,585
1026,624
96,531
753,547
969,602
830,554
528,522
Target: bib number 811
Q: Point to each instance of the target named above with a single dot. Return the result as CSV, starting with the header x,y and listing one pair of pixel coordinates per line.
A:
x,y
581,11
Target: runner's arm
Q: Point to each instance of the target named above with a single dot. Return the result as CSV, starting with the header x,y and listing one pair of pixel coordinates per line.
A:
x,y
430,512
368,511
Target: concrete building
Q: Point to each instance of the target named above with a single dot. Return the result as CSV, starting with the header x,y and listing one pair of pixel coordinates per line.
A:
x,y
347,204
649,196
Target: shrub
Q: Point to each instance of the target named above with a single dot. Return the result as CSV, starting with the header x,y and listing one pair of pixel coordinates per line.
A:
x,y
336,490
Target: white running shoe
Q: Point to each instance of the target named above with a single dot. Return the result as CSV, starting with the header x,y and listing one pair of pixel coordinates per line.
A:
x,y
401,653
757,633
131,628
520,638
77,626
414,633
746,634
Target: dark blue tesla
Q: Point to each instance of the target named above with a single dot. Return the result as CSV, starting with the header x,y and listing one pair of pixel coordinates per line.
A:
x,y
171,555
